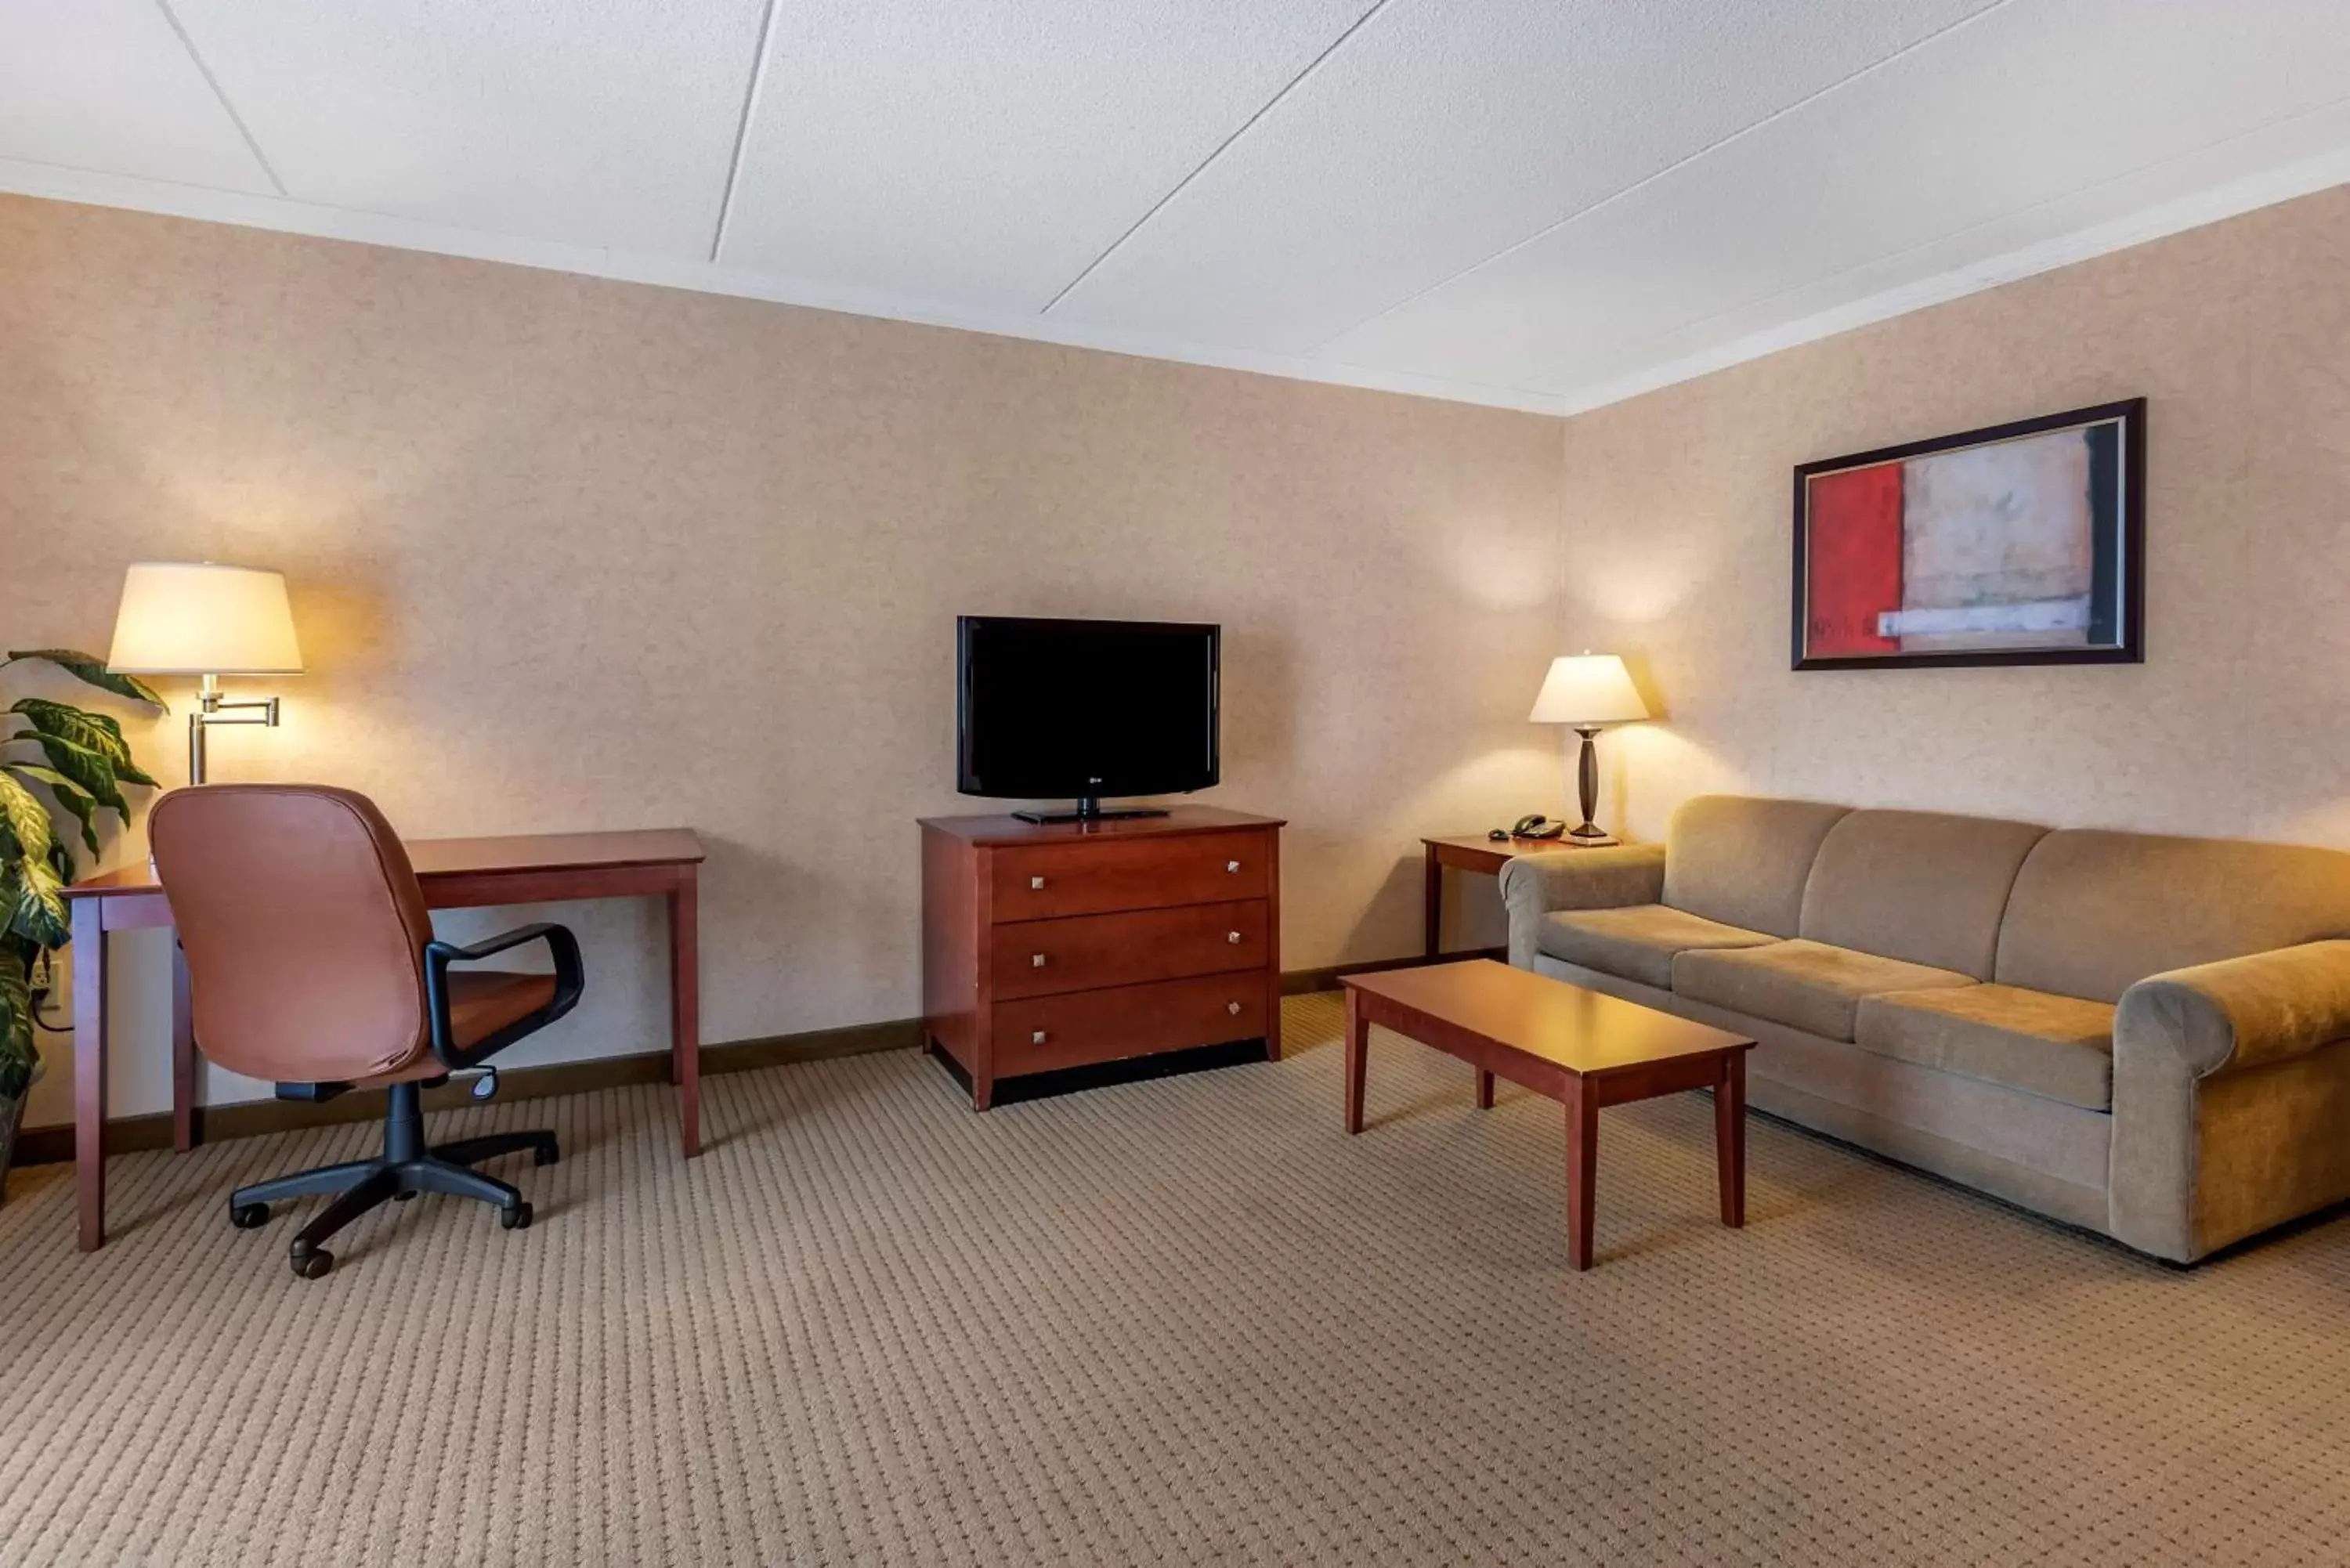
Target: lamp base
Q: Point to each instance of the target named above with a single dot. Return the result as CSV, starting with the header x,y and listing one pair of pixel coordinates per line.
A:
x,y
1588,835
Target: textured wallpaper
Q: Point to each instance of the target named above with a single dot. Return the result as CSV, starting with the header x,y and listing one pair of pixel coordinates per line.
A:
x,y
568,554
1677,520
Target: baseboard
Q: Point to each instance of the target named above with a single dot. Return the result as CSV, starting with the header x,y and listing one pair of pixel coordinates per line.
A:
x,y
250,1118
1298,981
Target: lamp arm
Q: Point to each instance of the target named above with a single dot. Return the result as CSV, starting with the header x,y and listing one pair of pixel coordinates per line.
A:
x,y
210,708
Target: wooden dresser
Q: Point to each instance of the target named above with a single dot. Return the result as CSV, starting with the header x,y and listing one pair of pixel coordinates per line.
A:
x,y
1048,946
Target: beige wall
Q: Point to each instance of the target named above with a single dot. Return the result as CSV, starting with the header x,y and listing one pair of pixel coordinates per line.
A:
x,y
572,553
1677,522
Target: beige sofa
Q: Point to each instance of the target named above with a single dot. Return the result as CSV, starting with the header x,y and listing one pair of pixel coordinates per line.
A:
x,y
2146,1036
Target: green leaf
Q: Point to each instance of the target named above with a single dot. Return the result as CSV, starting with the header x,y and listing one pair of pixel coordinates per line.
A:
x,y
25,822
92,670
76,800
17,1052
39,916
97,731
93,772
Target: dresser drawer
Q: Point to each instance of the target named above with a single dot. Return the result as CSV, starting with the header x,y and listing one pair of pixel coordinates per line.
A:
x,y
1085,953
1044,1032
1037,882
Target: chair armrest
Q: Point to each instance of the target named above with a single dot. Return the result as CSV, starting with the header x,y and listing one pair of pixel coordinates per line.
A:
x,y
1534,885
570,979
2243,1012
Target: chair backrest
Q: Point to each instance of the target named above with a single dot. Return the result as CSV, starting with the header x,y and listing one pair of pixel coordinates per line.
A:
x,y
1744,860
303,930
2095,912
1924,885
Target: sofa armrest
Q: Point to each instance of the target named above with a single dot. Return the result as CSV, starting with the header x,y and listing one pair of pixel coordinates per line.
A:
x,y
2243,1012
1534,885
2228,1084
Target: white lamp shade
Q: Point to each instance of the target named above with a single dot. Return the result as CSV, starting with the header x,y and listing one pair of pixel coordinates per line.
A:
x,y
1587,689
185,617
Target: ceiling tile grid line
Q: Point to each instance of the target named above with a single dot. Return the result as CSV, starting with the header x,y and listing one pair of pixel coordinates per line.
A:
x,y
1451,131
1623,191
1177,189
751,96
196,58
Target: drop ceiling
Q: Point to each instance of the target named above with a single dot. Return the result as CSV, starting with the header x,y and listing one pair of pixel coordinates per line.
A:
x,y
1540,204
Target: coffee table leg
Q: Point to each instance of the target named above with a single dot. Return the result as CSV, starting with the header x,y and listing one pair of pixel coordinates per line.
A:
x,y
1485,1090
1582,1167
1358,1054
1730,1137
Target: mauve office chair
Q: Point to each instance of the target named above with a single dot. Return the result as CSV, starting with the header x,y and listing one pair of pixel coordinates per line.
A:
x,y
311,963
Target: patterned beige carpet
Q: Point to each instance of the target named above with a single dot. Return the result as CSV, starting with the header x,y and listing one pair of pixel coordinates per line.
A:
x,y
1179,1321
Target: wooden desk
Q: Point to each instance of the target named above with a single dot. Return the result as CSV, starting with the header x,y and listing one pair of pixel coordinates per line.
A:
x,y
456,874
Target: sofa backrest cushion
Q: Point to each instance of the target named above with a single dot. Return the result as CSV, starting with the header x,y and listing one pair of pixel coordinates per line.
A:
x,y
2092,912
1742,860
1922,886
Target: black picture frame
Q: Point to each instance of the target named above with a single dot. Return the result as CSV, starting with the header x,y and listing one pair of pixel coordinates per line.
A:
x,y
2128,415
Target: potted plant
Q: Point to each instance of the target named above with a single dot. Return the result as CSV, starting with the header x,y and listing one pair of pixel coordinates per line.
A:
x,y
58,762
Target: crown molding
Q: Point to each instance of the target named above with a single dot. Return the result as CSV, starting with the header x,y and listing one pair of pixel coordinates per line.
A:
x,y
283,215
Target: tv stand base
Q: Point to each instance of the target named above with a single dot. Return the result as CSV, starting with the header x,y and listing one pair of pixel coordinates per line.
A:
x,y
1091,810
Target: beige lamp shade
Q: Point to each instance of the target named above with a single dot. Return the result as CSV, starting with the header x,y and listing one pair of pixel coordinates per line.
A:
x,y
186,617
1586,690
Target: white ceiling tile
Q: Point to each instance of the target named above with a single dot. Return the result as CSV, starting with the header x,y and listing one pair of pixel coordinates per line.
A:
x,y
603,122
986,151
107,85
2029,106
1440,133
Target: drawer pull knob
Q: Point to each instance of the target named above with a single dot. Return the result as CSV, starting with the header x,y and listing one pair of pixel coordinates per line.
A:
x,y
1035,960
1232,865
1036,884
1233,937
1233,1008
1037,1038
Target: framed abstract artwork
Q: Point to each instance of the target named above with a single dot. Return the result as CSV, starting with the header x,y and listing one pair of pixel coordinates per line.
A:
x,y
2023,544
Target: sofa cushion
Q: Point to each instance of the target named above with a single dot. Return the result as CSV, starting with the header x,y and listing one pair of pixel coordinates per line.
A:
x,y
2061,1047
1637,942
1743,861
1916,885
2094,912
1804,984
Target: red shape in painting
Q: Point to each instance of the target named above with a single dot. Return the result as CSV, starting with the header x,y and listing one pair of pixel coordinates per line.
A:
x,y
1854,561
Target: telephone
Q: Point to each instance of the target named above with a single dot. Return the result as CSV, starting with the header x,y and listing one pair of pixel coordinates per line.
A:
x,y
1536,826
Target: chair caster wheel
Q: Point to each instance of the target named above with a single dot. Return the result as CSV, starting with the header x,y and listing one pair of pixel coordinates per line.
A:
x,y
312,1264
516,1218
545,1153
248,1216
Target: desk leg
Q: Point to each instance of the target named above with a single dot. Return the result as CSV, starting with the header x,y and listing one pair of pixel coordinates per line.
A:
x,y
1730,1137
1434,906
1485,1090
1582,1166
1358,1057
184,1054
89,1068
685,1005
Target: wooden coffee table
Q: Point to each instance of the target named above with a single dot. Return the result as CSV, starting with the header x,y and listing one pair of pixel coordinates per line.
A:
x,y
1580,1047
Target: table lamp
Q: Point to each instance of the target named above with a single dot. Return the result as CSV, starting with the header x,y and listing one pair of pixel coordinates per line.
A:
x,y
188,618
1588,692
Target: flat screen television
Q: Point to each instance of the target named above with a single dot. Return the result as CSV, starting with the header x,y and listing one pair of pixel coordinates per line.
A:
x,y
1085,709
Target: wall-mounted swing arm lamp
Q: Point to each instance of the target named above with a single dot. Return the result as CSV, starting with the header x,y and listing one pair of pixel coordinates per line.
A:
x,y
185,617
